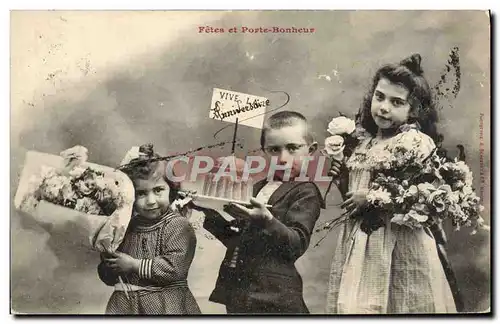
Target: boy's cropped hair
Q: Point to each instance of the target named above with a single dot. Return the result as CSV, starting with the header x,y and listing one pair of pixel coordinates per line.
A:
x,y
283,119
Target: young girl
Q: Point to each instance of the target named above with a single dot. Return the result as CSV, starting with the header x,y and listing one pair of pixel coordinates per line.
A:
x,y
382,267
150,268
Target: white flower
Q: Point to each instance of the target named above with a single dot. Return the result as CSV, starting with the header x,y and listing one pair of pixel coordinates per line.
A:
x,y
467,190
341,125
412,191
334,146
400,199
379,196
426,189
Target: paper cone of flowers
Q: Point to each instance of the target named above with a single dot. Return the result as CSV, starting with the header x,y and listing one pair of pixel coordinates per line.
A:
x,y
96,200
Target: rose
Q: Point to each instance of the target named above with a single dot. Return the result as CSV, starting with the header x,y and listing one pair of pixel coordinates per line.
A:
x,y
334,147
341,125
438,198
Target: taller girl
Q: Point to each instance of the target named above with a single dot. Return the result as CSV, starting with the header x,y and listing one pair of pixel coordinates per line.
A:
x,y
385,267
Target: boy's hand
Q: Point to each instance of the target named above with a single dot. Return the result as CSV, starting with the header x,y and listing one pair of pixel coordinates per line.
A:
x,y
123,262
335,168
258,212
356,200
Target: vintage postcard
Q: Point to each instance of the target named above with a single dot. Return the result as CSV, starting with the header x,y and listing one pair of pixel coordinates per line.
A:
x,y
250,162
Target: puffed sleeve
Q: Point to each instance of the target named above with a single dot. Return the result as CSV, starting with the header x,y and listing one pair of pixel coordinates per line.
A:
x,y
416,140
178,242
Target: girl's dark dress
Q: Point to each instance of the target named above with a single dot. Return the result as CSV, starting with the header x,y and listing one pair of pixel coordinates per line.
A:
x,y
166,248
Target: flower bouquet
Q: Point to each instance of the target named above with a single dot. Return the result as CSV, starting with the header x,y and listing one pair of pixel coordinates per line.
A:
x,y
95,199
416,189
422,190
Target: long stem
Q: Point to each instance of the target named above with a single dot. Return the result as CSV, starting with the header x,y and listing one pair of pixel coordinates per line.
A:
x,y
123,286
335,222
328,189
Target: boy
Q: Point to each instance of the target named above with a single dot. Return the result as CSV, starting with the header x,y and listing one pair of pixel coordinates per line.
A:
x,y
258,273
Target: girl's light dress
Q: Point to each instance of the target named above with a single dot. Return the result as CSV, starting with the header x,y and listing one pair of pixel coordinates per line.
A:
x,y
395,269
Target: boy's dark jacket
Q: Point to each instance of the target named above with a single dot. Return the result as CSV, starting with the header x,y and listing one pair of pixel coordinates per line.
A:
x,y
265,275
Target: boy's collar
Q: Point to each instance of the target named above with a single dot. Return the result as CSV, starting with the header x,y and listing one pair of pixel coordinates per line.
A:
x,y
282,190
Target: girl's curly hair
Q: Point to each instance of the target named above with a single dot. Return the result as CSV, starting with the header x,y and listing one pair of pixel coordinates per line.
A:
x,y
409,74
